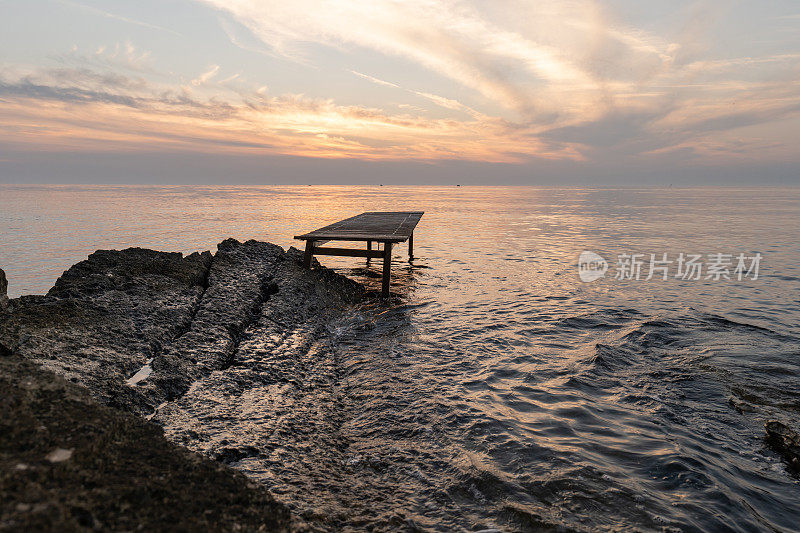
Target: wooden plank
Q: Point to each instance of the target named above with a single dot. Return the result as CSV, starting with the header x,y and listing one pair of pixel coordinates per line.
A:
x,y
387,226
347,252
360,237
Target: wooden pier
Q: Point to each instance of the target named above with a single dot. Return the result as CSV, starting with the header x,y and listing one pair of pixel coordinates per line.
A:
x,y
387,227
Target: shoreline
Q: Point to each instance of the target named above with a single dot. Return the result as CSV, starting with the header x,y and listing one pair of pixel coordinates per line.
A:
x,y
134,381
120,337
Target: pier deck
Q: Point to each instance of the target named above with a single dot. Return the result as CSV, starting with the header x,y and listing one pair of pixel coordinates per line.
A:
x,y
387,227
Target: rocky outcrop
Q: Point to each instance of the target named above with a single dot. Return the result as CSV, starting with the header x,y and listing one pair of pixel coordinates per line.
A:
x,y
138,330
785,441
273,381
137,327
240,281
106,317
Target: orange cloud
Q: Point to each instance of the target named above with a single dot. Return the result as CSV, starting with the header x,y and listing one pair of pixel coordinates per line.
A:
x,y
62,117
554,79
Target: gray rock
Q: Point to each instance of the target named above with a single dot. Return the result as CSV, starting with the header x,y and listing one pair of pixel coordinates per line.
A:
x,y
741,406
106,316
785,441
247,281
280,389
206,338
179,318
71,464
3,286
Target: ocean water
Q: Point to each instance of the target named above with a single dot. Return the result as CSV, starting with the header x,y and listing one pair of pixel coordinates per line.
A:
x,y
496,389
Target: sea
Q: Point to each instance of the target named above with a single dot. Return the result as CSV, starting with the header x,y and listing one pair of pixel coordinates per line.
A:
x,y
589,359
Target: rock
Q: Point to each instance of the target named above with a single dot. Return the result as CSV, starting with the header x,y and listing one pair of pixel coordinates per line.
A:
x,y
59,455
785,441
190,342
279,390
106,316
3,295
3,285
109,316
741,406
239,282
107,270
121,473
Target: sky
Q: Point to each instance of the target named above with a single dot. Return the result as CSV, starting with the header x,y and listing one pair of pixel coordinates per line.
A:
x,y
538,92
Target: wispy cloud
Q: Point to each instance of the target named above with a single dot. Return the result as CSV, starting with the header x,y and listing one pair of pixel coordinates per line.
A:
x,y
119,55
109,15
442,101
375,80
447,37
532,69
203,78
572,70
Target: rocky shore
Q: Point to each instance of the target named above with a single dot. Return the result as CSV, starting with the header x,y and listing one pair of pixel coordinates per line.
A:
x,y
155,391
121,342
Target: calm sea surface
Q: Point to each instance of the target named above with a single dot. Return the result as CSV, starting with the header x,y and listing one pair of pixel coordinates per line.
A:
x,y
498,390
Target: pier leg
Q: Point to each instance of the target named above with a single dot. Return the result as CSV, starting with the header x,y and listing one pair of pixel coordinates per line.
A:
x,y
411,247
387,268
369,248
309,254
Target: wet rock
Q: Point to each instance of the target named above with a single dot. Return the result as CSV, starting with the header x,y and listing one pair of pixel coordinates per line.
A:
x,y
162,335
68,463
239,281
119,313
106,316
741,406
283,347
784,441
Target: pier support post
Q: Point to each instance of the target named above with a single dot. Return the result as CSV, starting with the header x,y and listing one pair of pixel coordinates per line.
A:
x,y
387,268
369,248
411,247
309,253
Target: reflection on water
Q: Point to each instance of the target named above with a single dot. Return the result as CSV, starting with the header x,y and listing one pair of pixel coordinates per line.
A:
x,y
498,390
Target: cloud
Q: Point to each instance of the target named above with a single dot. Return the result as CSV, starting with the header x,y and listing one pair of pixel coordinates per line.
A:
x,y
442,101
109,15
375,80
203,78
123,55
572,71
79,110
545,79
230,78
556,53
